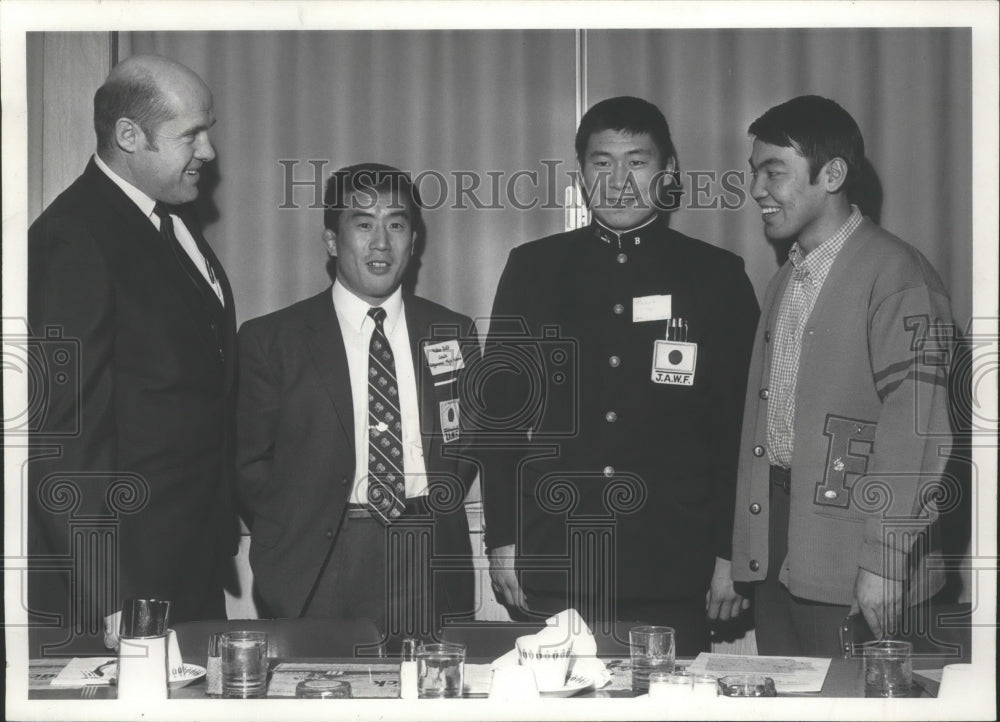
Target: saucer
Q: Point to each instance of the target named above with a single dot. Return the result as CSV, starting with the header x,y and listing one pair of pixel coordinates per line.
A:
x,y
189,673
574,685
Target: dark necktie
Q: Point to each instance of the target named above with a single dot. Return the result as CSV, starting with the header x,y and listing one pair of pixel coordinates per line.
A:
x,y
386,484
167,231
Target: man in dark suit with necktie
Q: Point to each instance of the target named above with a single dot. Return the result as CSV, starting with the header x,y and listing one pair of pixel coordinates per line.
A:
x,y
130,487
349,429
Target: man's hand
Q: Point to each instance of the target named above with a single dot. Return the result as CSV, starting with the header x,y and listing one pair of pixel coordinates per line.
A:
x,y
880,600
504,577
721,600
112,623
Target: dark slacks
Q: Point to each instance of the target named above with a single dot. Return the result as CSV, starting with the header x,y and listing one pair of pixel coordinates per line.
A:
x,y
788,625
380,573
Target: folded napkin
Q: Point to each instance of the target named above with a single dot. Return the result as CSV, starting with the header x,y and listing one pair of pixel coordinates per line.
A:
x,y
568,624
84,671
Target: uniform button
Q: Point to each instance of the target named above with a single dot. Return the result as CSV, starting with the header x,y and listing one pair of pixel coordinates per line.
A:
x,y
622,258
764,393
611,417
222,355
754,565
810,332
609,471
614,362
618,309
755,508
343,480
767,336
758,451
830,494
329,533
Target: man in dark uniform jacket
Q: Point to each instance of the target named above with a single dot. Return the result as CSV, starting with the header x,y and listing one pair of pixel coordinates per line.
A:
x,y
614,488
133,463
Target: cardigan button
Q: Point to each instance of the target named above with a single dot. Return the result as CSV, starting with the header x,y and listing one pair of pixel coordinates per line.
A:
x,y
767,337
609,471
621,258
755,508
329,533
754,565
764,393
618,309
758,451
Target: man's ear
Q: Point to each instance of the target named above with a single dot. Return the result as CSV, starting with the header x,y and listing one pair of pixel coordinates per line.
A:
x,y
330,240
834,174
128,135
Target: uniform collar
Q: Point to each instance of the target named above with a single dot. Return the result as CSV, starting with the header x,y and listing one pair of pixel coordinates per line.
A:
x,y
625,239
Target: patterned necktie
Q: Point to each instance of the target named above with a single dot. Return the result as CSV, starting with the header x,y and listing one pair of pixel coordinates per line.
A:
x,y
386,487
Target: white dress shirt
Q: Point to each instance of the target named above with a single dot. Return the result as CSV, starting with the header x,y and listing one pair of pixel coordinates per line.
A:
x,y
356,327
184,237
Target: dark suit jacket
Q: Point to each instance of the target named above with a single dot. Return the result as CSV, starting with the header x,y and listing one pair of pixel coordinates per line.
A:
x,y
144,418
656,461
295,446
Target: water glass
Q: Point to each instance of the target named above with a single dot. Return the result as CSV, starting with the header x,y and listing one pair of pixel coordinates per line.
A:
x,y
888,668
440,670
244,664
652,649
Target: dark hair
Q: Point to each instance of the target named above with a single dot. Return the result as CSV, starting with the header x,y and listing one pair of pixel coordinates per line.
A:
x,y
136,97
817,128
365,179
630,115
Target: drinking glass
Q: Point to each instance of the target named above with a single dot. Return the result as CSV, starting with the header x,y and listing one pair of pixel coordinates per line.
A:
x,y
652,649
440,670
888,668
244,664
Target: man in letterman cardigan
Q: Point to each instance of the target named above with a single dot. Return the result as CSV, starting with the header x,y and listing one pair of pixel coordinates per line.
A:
x,y
846,429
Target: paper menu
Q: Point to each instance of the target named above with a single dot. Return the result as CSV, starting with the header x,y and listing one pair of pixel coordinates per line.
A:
x,y
791,675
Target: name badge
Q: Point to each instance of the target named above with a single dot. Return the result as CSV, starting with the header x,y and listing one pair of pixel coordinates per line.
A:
x,y
444,357
449,419
651,308
674,363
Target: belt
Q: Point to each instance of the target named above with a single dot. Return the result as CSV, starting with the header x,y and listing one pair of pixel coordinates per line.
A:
x,y
781,478
415,507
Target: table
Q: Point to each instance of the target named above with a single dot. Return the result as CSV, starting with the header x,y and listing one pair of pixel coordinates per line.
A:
x,y
844,679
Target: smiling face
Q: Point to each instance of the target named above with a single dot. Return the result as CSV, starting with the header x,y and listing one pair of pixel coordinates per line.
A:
x,y
167,166
373,244
793,207
621,172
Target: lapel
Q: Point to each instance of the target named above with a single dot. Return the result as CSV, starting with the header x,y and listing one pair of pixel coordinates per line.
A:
x,y
137,228
326,346
418,326
187,215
